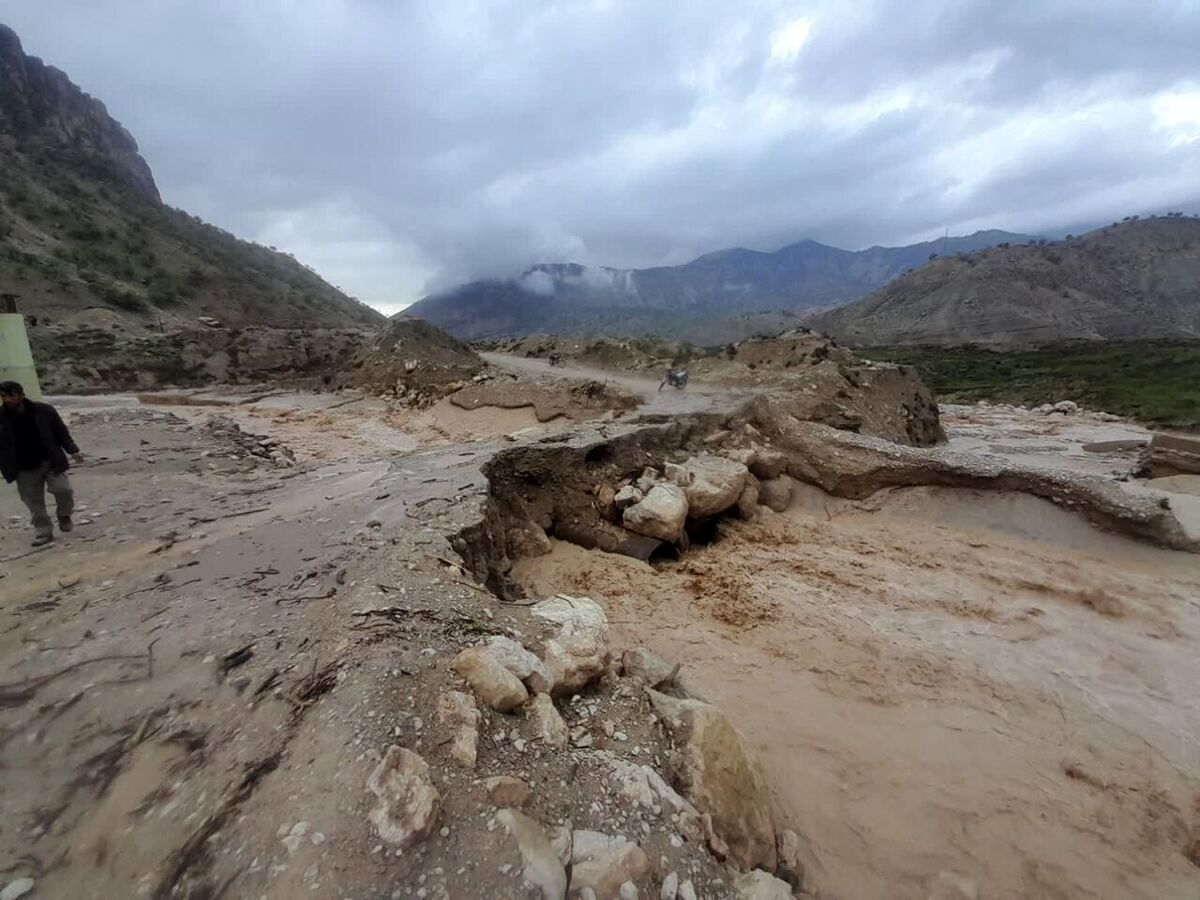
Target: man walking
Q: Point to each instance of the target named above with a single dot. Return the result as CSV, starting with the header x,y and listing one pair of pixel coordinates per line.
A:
x,y
34,443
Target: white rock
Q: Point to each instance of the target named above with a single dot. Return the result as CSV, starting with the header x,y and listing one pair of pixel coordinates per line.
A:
x,y
520,662
603,863
628,891
670,887
661,514
627,496
562,609
677,474
716,484
579,652
458,714
408,801
18,888
687,891
1066,407
492,682
542,866
758,885
632,785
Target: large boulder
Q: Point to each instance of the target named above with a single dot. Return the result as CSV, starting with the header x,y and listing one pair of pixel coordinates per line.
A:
x,y
718,773
660,514
489,679
603,863
579,651
716,483
408,802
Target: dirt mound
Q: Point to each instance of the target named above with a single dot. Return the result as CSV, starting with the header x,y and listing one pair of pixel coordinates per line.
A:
x,y
413,360
626,355
584,400
86,360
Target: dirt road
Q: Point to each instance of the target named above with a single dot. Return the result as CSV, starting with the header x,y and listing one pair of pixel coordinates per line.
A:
x,y
669,401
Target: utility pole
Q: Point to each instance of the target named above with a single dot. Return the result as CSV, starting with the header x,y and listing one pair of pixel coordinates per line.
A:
x,y
16,359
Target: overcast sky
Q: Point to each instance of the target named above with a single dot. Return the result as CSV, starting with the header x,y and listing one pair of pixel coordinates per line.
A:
x,y
404,146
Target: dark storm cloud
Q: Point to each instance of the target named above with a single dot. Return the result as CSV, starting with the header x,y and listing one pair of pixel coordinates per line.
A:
x,y
398,146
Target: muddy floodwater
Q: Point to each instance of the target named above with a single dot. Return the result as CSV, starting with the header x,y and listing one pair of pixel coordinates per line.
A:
x,y
946,686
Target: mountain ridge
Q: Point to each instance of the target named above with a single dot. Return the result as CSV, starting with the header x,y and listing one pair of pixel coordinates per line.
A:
x,y
1138,279
718,296
85,238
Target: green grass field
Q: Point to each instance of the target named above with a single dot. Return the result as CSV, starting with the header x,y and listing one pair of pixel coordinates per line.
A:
x,y
1155,382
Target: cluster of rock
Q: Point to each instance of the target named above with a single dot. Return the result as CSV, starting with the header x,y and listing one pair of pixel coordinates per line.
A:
x,y
247,444
659,503
722,801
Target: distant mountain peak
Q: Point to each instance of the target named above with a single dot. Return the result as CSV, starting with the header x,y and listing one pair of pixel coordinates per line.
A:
x,y
685,301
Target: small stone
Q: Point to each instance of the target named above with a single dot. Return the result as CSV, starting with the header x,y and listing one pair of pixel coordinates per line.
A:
x,y
505,790
660,514
627,497
670,886
652,669
458,714
546,722
295,837
18,888
759,885
687,891
628,891
492,682
408,801
542,866
603,863
520,662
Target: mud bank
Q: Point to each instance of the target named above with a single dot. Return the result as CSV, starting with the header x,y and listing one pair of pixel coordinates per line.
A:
x,y
557,487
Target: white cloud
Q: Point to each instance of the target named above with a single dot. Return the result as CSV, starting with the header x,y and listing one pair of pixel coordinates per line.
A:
x,y
789,39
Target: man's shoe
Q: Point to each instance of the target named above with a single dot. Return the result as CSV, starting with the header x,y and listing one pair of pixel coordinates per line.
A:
x,y
42,540
65,524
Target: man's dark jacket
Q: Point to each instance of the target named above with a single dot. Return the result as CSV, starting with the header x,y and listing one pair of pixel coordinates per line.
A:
x,y
56,439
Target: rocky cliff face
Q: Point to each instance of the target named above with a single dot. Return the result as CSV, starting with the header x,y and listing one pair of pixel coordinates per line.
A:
x,y
83,231
42,111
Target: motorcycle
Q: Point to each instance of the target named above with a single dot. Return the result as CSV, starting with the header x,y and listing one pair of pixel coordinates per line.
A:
x,y
676,378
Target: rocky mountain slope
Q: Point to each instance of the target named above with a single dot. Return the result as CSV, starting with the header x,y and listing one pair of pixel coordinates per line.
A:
x,y
718,297
1137,279
82,226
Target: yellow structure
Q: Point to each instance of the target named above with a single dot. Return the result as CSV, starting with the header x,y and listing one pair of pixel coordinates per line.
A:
x,y
16,359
